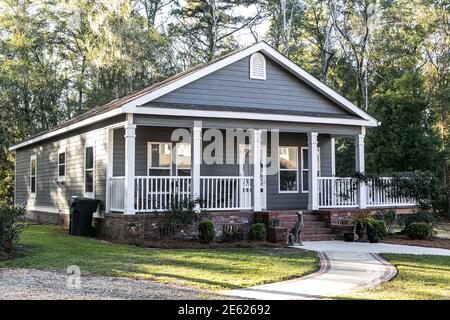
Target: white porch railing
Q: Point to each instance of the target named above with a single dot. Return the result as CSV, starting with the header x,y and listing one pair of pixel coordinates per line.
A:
x,y
337,192
117,193
226,193
381,193
154,193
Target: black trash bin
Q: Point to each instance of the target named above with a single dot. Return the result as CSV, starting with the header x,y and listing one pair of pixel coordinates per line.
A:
x,y
81,212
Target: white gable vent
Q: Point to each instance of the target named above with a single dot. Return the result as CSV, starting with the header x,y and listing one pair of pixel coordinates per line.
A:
x,y
257,66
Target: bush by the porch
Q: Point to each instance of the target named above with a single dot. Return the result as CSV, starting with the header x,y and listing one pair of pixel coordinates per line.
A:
x,y
418,231
258,232
9,228
377,227
206,232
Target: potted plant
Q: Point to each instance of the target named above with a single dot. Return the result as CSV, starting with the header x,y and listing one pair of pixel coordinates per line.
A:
x,y
376,229
360,220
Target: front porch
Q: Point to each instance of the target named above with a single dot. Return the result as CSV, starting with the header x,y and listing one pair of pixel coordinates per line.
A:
x,y
240,186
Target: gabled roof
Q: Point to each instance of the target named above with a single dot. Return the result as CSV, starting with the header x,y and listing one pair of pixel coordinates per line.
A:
x,y
141,98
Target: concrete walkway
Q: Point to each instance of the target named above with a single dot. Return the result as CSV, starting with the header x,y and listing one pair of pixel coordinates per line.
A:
x,y
340,273
365,247
345,266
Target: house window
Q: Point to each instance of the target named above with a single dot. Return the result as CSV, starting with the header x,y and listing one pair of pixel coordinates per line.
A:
x,y
159,159
183,156
305,169
62,165
89,175
33,175
288,169
257,66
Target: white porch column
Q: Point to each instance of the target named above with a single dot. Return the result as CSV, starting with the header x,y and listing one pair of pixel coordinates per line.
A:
x,y
333,157
313,192
256,160
109,168
196,158
360,167
130,151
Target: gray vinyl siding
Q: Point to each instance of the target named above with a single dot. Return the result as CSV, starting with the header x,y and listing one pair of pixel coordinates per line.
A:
x,y
297,200
231,86
275,199
119,153
159,134
50,193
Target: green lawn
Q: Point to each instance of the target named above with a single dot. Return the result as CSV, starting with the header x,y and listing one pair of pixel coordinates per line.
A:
x,y
51,248
419,277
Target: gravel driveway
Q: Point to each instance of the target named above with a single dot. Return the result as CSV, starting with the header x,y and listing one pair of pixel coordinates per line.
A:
x,y
37,284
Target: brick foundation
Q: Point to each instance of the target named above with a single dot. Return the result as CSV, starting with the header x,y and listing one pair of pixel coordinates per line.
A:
x,y
48,218
151,226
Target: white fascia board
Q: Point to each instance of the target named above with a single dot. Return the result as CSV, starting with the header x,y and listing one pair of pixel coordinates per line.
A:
x,y
71,127
248,116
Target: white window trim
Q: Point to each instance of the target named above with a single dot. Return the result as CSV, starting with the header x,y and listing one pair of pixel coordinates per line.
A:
x,y
302,166
257,54
62,178
176,159
279,171
89,194
33,157
149,167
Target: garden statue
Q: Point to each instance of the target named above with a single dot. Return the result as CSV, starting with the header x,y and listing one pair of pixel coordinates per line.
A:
x,y
294,236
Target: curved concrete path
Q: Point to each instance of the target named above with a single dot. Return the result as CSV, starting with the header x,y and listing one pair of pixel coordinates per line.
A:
x,y
366,247
340,272
345,266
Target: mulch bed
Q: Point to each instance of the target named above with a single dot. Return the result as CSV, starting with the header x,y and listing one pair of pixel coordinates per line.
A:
x,y
433,243
174,244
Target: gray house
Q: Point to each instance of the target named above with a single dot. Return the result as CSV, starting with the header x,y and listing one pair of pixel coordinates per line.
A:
x,y
129,154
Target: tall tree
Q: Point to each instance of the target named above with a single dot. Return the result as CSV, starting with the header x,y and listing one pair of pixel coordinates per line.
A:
x,y
207,26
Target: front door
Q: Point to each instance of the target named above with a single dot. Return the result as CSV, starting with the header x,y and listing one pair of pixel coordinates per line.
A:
x,y
245,170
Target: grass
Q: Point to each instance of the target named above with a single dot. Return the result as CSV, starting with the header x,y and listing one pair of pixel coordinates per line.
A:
x,y
420,277
50,248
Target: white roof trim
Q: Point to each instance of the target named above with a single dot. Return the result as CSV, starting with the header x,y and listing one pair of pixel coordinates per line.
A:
x,y
271,52
248,116
71,127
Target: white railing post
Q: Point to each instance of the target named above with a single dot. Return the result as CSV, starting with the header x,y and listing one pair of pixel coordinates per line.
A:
x,y
196,158
256,160
360,167
130,151
313,194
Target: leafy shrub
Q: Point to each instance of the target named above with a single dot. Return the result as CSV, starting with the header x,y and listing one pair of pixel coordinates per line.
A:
x,y
9,227
389,217
206,231
364,216
180,212
420,216
258,232
377,227
184,211
418,230
423,186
